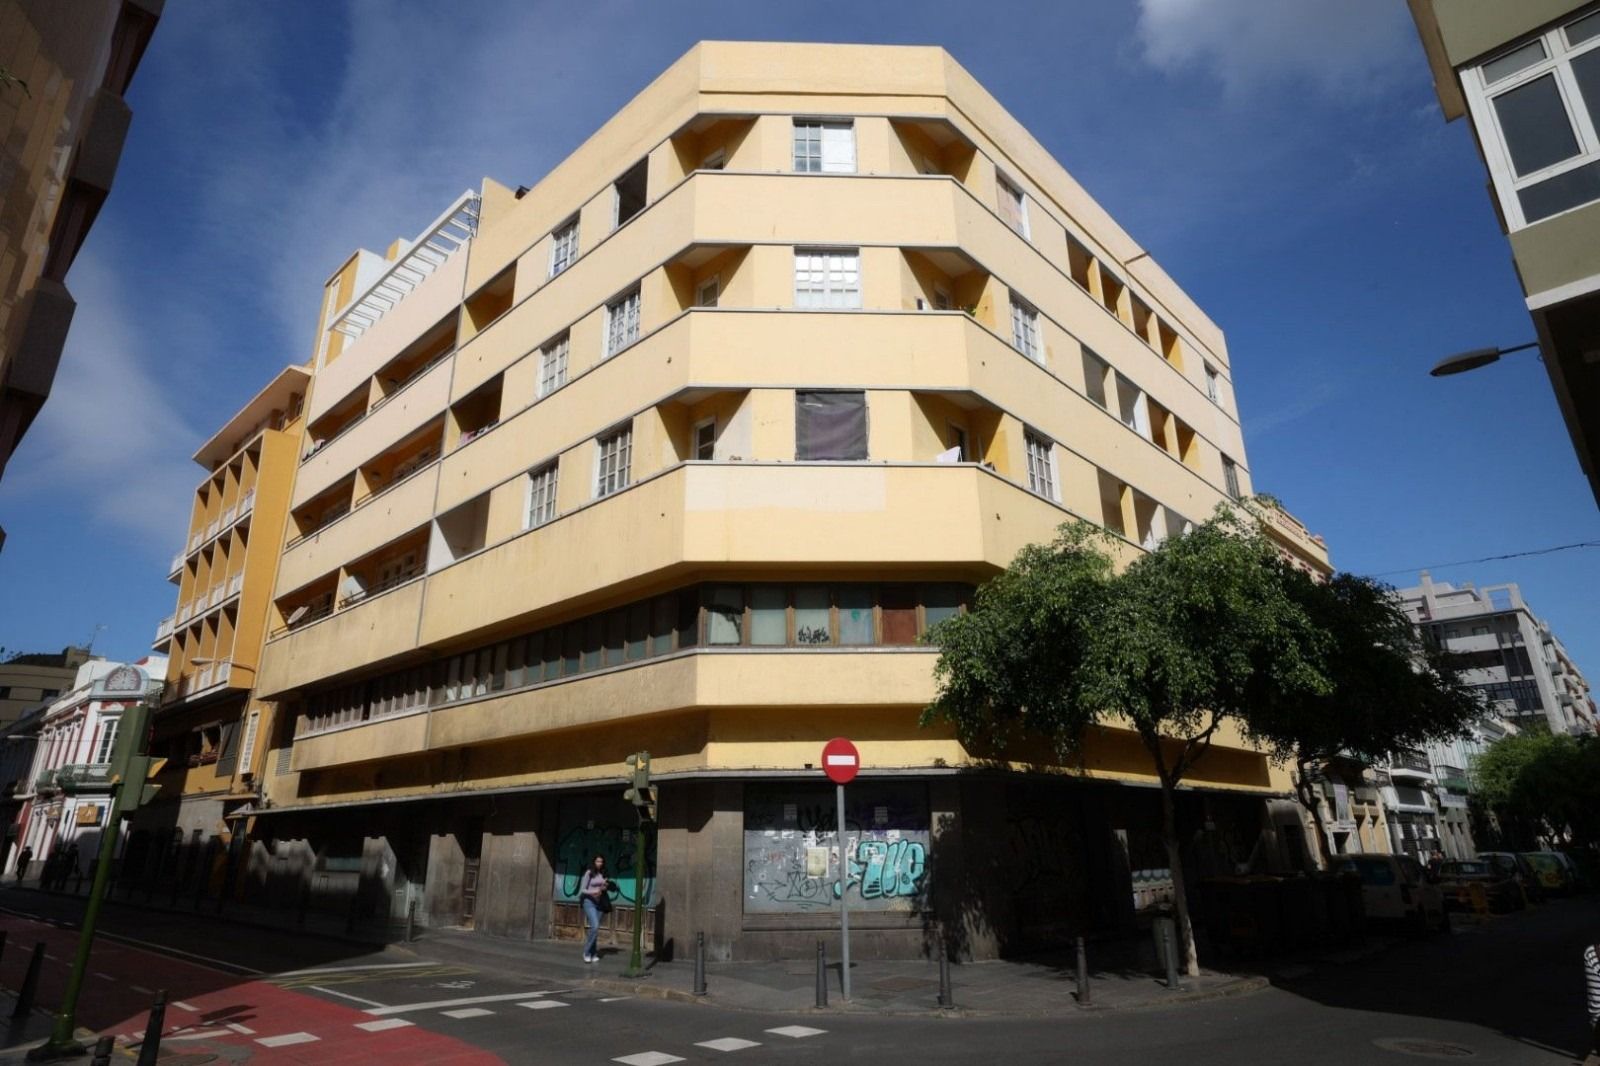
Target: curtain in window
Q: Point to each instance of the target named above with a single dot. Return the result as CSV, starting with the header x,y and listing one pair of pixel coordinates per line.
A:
x,y
830,425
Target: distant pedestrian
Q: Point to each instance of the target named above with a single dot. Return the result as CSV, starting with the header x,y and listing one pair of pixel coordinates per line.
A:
x,y
1435,863
1591,977
22,863
592,891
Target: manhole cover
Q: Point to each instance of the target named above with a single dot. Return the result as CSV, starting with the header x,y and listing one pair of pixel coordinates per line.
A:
x,y
1426,1049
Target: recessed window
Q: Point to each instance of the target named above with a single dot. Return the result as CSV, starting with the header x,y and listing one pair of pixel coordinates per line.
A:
x,y
1041,465
830,425
824,147
630,192
1025,328
706,293
1213,384
827,278
553,364
1230,477
622,322
717,160
614,462
542,495
563,247
1095,371
1013,207
705,439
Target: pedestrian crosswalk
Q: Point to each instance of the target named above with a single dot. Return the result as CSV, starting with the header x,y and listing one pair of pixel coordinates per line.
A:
x,y
721,1043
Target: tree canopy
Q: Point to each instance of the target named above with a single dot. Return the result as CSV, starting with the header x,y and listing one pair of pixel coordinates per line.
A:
x,y
1211,627
1543,789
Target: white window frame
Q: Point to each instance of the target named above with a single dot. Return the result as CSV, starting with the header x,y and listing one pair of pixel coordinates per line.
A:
x,y
838,164
1213,384
613,461
108,740
695,442
1025,328
622,322
564,246
1040,455
1230,479
543,481
711,286
1004,185
1480,95
553,358
827,285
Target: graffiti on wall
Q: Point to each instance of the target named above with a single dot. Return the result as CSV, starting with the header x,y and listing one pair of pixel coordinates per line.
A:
x,y
590,828
792,853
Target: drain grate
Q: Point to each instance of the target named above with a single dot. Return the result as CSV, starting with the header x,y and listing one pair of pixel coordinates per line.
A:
x,y
1426,1049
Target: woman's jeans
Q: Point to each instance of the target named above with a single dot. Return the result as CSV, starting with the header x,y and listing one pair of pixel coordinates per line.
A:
x,y
591,915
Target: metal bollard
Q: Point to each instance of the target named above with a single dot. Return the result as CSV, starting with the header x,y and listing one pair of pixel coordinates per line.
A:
x,y
822,975
1167,940
411,921
102,1051
30,983
947,998
150,1048
700,964
1083,975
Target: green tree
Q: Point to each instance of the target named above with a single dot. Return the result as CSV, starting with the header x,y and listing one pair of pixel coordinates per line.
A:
x,y
1390,690
1186,638
1543,789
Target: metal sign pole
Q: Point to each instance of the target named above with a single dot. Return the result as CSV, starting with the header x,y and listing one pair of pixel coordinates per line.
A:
x,y
844,909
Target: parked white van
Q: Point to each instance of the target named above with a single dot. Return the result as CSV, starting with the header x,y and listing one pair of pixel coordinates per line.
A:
x,y
1395,888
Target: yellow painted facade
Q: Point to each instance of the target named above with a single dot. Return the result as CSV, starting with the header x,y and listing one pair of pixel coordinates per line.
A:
x,y
833,339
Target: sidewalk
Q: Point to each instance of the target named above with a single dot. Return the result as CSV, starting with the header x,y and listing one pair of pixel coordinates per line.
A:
x,y
1045,985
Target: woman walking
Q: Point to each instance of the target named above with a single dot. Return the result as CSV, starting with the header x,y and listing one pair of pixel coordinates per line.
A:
x,y
592,891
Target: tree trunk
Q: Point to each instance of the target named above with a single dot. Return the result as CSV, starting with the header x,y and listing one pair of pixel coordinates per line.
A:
x,y
1308,799
1180,901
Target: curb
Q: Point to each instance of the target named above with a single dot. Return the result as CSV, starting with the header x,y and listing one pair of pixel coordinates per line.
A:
x,y
1242,986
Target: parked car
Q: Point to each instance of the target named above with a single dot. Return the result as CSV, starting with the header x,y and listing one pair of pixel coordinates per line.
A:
x,y
1395,888
1500,888
1557,874
1519,868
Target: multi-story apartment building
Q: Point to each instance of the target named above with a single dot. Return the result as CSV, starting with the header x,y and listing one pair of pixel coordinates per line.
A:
x,y
1527,76
683,449
66,795
207,725
36,677
1508,652
63,119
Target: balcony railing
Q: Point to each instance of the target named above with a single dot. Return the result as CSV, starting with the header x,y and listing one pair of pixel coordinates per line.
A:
x,y
227,517
442,239
392,581
197,538
246,503
1411,760
177,563
84,777
236,584
164,630
45,782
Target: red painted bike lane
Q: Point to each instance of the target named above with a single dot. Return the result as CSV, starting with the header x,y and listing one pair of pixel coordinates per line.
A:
x,y
244,1017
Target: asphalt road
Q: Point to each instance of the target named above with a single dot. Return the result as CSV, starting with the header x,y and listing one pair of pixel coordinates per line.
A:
x,y
1507,990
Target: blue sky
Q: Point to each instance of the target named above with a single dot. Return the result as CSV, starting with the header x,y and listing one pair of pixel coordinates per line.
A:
x,y
1284,160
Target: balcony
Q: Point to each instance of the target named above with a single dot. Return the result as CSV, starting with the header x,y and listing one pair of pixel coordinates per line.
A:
x,y
84,777
246,503
235,585
164,630
448,234
45,782
176,566
1410,764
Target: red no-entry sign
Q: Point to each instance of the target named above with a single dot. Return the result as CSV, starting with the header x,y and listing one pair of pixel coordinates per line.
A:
x,y
840,760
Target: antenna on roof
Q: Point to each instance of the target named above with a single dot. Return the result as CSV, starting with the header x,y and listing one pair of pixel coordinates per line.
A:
x,y
89,645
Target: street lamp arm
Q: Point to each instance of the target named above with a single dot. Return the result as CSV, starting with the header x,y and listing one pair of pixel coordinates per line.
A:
x,y
1472,360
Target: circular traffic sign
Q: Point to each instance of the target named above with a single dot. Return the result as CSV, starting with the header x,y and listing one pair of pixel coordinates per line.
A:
x,y
840,760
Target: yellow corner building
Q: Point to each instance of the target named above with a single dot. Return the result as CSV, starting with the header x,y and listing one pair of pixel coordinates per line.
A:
x,y
682,449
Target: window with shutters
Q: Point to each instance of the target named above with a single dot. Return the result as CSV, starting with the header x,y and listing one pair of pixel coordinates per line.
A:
x,y
830,425
1013,207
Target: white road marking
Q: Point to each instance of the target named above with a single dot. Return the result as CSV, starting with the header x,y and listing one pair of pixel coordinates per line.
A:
x,y
104,976
543,1004
648,1058
614,999
796,1031
142,990
181,1005
728,1043
198,1034
51,957
353,969
242,1030
345,995
384,1023
286,1039
467,1012
470,1001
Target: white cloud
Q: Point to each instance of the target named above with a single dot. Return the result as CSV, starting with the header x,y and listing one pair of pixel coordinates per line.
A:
x,y
1348,48
109,437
